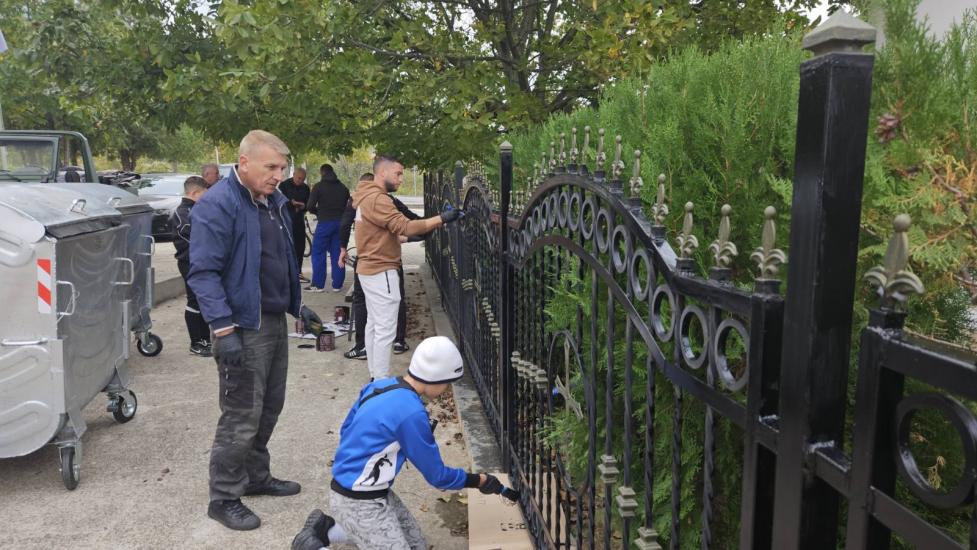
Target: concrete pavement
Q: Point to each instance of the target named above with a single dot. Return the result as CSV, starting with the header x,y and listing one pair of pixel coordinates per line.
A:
x,y
144,483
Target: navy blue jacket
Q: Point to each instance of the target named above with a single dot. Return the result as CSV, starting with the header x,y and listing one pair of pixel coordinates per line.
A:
x,y
225,255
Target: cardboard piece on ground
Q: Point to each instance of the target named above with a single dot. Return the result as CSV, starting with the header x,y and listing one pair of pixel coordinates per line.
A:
x,y
495,525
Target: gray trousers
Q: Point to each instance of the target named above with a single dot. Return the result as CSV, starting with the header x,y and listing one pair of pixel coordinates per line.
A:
x,y
251,398
377,523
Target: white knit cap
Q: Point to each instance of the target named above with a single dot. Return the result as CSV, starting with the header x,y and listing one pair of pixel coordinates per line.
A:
x,y
436,361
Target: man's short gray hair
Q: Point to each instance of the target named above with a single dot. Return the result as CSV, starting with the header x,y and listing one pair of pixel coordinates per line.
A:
x,y
261,138
204,168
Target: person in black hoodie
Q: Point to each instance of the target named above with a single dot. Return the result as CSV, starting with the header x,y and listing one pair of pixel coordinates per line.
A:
x,y
193,188
297,193
327,201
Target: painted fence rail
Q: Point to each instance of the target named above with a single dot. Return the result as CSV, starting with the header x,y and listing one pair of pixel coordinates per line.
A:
x,y
645,333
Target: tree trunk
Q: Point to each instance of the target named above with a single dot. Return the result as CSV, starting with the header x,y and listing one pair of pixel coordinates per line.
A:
x,y
128,158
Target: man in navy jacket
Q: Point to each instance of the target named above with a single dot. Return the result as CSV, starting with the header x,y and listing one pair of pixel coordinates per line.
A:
x,y
244,273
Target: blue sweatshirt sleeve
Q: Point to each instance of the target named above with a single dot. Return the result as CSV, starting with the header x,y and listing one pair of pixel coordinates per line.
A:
x,y
417,442
209,252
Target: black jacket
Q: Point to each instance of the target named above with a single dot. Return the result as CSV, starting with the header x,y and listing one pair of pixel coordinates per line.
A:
x,y
298,193
349,215
180,224
328,200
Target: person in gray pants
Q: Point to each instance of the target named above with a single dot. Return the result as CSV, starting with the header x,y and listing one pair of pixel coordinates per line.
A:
x,y
245,275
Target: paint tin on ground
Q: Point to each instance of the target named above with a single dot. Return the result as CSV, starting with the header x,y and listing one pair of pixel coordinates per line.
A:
x,y
326,341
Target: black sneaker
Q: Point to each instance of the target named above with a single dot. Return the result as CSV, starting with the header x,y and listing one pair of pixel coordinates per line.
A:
x,y
400,347
275,488
355,353
201,348
233,514
315,533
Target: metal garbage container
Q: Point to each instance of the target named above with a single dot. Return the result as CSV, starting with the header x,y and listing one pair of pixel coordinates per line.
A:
x,y
140,245
64,282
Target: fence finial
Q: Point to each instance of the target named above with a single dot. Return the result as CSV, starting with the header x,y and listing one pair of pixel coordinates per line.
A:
x,y
544,166
636,182
767,257
893,281
618,166
573,146
660,210
723,250
552,157
601,156
563,152
586,145
687,242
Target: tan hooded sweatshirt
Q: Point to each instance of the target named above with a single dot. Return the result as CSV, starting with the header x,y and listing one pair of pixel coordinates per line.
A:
x,y
378,224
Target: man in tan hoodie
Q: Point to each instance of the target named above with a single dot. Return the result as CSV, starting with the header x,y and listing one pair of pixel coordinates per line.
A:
x,y
379,226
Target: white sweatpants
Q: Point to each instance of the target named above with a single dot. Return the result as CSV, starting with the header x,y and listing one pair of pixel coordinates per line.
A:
x,y
382,293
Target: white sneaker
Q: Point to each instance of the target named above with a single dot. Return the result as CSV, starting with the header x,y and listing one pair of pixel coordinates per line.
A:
x,y
337,290
311,288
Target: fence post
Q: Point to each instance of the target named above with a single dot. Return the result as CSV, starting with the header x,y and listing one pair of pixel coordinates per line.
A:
x,y
506,280
832,126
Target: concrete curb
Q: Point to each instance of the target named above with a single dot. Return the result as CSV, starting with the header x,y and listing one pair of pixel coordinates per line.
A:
x,y
479,440
168,289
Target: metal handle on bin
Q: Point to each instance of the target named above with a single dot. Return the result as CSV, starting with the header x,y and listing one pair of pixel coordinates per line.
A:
x,y
114,201
78,206
74,298
38,342
132,272
152,246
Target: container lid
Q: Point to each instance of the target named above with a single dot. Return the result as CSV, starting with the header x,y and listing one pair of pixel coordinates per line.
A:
x,y
120,199
29,211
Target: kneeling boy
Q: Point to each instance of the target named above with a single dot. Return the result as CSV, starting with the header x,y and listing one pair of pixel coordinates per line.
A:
x,y
387,425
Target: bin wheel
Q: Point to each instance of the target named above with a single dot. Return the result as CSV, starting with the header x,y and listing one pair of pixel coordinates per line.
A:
x,y
154,345
124,409
70,471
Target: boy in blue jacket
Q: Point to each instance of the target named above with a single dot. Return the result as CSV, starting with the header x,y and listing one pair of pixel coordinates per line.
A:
x,y
387,426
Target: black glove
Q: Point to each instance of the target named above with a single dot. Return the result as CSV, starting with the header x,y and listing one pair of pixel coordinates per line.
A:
x,y
229,350
310,320
492,485
450,214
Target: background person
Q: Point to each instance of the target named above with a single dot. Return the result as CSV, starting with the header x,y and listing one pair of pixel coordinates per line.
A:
x,y
244,274
379,225
210,173
297,193
327,201
387,426
193,188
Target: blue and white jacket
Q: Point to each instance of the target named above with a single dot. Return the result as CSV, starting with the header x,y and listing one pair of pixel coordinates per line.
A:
x,y
383,429
225,255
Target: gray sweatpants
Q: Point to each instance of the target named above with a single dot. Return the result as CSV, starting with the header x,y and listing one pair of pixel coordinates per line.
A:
x,y
377,523
251,398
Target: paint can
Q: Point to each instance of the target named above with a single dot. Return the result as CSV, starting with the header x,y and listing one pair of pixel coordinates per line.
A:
x,y
326,341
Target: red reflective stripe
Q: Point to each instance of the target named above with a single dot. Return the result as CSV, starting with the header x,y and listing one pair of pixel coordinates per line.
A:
x,y
44,293
45,265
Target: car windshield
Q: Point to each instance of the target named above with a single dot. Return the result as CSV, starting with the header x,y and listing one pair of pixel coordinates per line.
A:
x,y
156,184
26,159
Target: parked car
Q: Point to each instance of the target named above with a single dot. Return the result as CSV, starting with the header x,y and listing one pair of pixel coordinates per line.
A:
x,y
163,192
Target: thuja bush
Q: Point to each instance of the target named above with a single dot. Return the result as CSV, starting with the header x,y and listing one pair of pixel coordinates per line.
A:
x,y
721,127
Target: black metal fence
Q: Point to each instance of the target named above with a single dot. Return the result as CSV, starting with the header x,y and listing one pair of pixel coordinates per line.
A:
x,y
641,333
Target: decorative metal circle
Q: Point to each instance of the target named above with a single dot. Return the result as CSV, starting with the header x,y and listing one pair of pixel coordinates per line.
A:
x,y
966,426
563,212
640,287
726,376
575,211
539,223
619,258
529,229
685,342
662,293
602,228
587,227
552,202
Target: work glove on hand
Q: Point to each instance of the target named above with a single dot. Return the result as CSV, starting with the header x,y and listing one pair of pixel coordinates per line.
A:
x,y
310,320
229,350
492,485
450,214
